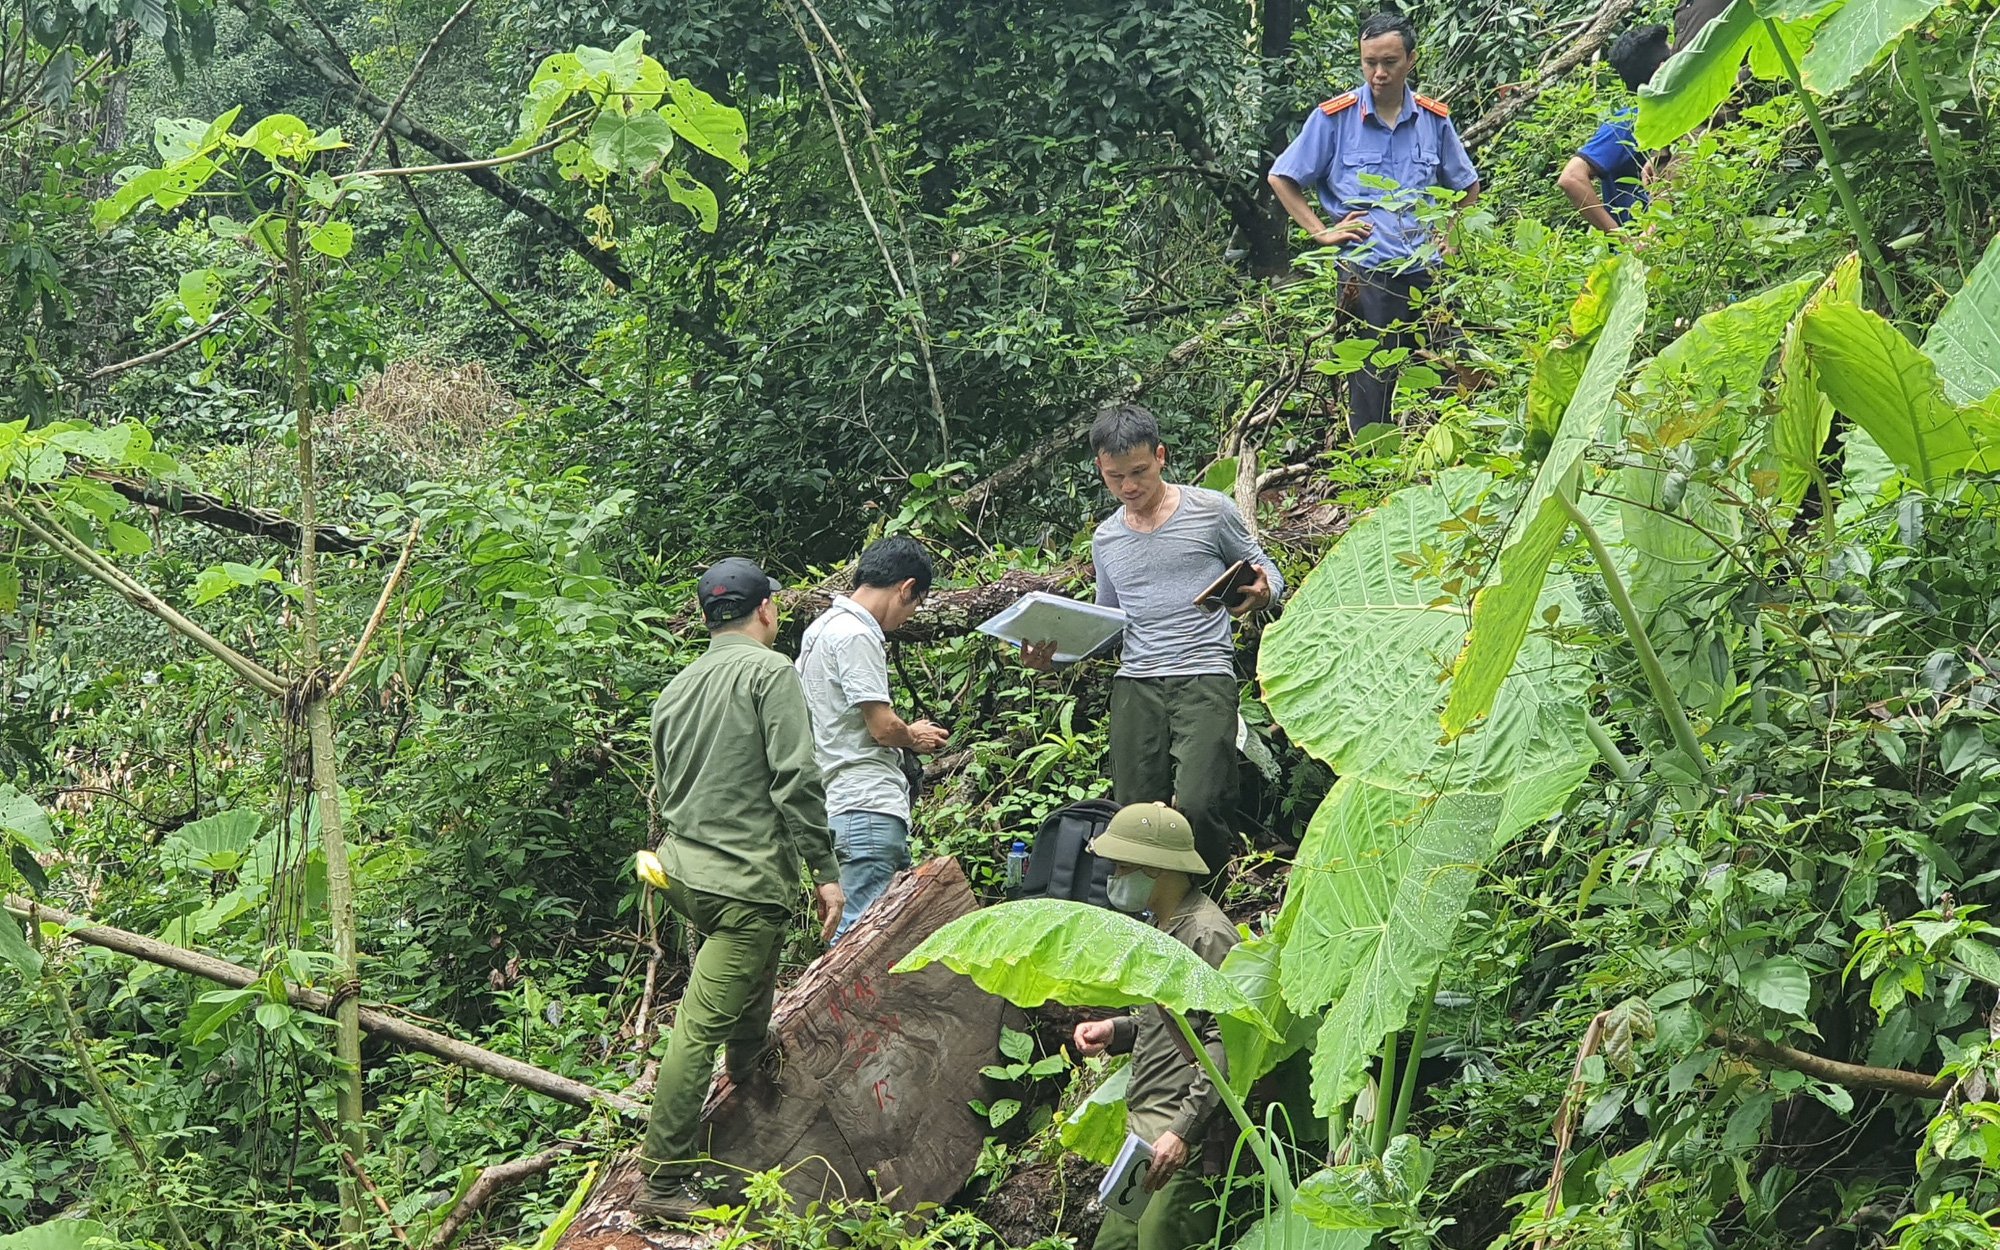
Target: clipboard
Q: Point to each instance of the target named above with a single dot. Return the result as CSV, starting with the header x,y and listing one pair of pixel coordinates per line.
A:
x,y
1227,590
1079,630
1123,1188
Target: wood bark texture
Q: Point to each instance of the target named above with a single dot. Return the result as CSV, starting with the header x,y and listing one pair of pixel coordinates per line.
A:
x,y
878,1073
945,613
387,1027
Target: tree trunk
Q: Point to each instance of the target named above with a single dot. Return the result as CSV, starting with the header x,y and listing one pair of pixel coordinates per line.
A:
x,y
307,701
877,1073
380,1024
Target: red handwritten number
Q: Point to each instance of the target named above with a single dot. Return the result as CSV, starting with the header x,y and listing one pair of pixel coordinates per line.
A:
x,y
882,1095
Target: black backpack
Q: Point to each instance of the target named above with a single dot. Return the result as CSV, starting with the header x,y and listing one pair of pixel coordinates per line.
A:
x,y
1060,864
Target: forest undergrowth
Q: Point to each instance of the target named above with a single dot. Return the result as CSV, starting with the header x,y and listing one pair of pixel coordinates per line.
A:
x,y
1615,833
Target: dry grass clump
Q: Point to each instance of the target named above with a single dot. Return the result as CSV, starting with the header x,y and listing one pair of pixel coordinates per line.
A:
x,y
421,418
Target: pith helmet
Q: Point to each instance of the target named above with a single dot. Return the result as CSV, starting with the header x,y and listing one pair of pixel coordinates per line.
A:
x,y
1150,835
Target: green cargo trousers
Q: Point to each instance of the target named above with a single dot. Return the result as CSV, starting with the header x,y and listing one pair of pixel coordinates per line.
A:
x,y
727,1003
1181,1216
1173,740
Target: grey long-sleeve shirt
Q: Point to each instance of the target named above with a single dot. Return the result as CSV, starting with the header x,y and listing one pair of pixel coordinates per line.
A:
x,y
1155,577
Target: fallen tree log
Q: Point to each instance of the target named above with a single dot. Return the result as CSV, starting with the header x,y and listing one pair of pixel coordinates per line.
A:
x,y
945,613
1579,49
232,518
878,1071
1833,1071
381,1024
491,1181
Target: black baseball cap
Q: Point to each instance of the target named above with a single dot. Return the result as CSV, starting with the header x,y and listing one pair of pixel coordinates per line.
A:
x,y
733,588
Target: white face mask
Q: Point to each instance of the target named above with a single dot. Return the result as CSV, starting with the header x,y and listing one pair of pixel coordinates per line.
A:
x,y
1130,892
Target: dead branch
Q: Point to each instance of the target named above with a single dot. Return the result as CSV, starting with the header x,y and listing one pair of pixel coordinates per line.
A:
x,y
1587,41
1833,1071
381,1024
1566,1117
490,1182
229,518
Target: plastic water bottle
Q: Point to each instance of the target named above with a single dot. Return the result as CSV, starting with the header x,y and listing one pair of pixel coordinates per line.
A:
x,y
1017,865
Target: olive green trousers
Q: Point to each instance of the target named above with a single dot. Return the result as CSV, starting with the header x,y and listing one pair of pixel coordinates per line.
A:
x,y
727,1004
1181,1216
1173,740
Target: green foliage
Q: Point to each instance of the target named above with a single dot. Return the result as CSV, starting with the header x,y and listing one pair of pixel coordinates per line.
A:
x,y
1964,342
1037,950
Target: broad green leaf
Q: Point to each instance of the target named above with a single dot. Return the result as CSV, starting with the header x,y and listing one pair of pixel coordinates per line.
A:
x,y
218,843
335,239
63,1234
695,194
1036,950
279,136
17,950
1855,37
127,540
1780,984
621,69
1502,613
1890,389
10,588
715,128
1557,371
1096,1129
1765,64
1354,670
200,291
1699,400
177,139
1698,78
215,1009
24,818
634,146
1376,892
1253,966
1381,1193
130,194
1964,343
1805,416
1288,1230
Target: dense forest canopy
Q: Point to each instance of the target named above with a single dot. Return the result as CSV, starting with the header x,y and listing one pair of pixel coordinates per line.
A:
x,y
381,374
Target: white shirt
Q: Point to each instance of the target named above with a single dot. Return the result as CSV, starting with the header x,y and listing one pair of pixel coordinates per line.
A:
x,y
844,663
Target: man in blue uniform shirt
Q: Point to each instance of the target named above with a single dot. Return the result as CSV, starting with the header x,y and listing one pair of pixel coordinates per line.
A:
x,y
1606,178
1384,131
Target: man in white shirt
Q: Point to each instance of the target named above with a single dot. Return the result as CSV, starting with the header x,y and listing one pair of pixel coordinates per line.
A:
x,y
857,736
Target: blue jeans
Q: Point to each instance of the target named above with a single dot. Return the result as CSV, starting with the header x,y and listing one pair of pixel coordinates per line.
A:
x,y
872,848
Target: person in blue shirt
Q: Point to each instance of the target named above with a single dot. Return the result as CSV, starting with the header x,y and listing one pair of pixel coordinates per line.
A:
x,y
1373,156
1606,179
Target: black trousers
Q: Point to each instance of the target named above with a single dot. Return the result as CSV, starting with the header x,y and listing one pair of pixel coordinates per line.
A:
x,y
1385,303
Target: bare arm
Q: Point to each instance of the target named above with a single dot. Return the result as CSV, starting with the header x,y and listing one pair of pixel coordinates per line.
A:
x,y
1580,185
891,730
1353,227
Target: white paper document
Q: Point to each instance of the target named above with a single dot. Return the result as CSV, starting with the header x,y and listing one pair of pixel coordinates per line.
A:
x,y
1079,630
1124,1186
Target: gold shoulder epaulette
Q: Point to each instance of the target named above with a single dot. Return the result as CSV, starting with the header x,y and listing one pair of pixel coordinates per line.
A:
x,y
1435,106
1337,103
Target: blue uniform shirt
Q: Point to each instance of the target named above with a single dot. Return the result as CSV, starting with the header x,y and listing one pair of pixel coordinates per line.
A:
x,y
1344,139
1613,155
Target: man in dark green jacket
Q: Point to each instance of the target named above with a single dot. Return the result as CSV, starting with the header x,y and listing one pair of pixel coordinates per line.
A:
x,y
1169,1100
741,804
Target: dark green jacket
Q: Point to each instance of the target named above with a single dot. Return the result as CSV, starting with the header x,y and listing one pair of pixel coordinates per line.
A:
x,y
1167,1093
739,793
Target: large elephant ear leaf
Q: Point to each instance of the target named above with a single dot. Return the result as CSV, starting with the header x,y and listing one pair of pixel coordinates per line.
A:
x,y
1964,343
1855,37
1254,968
1503,612
1891,390
1377,621
1037,950
1805,416
1698,78
62,1234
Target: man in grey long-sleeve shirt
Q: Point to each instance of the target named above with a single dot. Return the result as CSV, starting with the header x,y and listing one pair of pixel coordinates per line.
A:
x,y
1173,703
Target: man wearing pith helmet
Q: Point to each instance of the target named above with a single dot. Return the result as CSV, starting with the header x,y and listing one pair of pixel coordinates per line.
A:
x,y
1169,1101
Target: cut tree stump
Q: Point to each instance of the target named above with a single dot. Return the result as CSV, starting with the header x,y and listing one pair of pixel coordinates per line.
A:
x,y
878,1073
